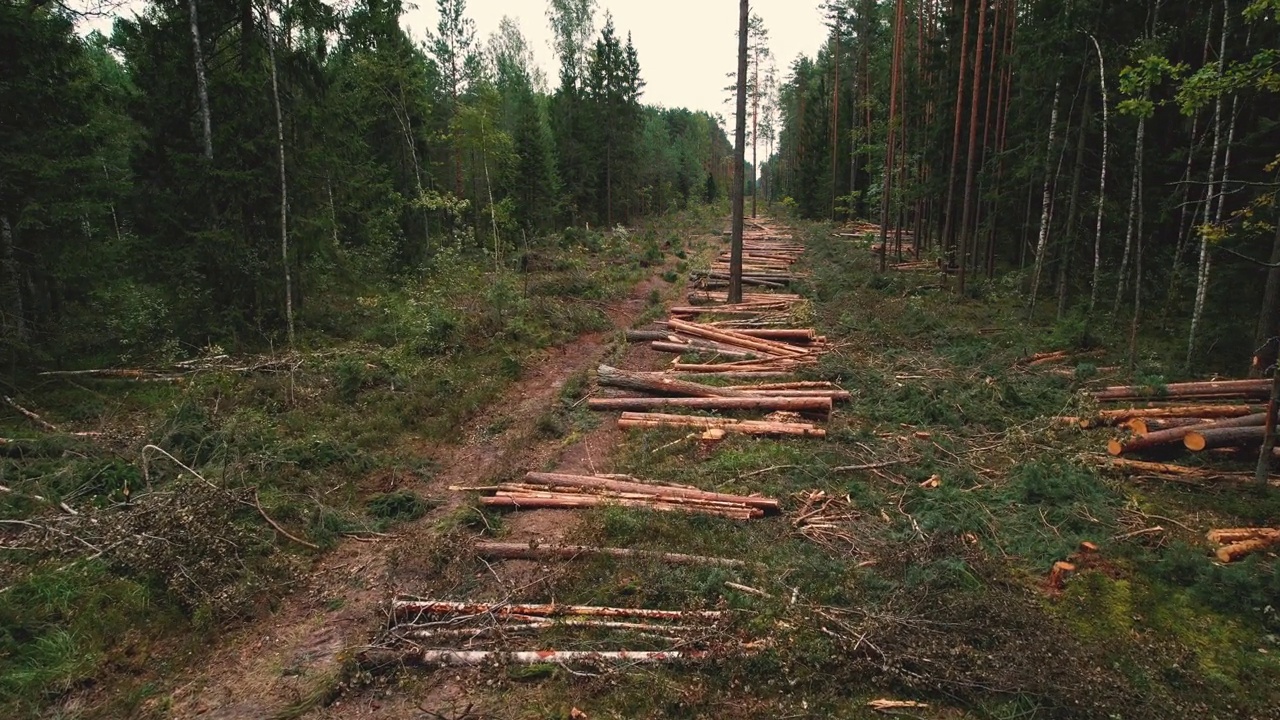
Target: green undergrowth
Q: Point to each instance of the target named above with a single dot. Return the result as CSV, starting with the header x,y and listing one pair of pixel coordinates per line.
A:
x,y
333,445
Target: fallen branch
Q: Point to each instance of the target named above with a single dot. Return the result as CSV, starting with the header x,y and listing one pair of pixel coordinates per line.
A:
x,y
276,525
32,416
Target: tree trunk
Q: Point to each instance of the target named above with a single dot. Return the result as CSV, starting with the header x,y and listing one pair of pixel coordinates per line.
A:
x,y
1209,438
739,158
1133,210
202,82
819,405
284,184
971,166
1073,206
949,221
1206,259
10,258
560,480
630,420
1174,434
527,551
886,192
1042,243
660,384
1102,182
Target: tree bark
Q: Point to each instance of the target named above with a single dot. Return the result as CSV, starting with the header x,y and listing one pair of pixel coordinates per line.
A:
x,y
625,486
745,427
739,158
1206,259
971,166
1102,182
202,82
284,183
1199,440
820,405
949,217
1174,434
1042,243
661,385
527,551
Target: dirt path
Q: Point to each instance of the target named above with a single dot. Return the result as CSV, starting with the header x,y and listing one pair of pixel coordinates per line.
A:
x,y
295,660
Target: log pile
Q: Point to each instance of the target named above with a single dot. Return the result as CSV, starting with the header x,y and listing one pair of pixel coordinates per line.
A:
x,y
555,490
443,632
767,257
1237,543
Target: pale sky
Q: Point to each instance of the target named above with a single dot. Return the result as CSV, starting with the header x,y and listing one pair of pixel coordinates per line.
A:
x,y
686,47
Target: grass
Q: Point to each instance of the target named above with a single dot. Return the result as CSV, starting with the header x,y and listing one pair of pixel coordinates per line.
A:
x,y
944,599
331,449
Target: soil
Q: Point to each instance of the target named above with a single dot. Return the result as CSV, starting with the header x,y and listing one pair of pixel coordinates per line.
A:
x,y
292,664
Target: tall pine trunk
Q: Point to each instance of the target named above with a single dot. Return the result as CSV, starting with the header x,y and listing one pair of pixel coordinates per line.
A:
x,y
1133,209
739,159
887,185
971,165
949,215
1102,182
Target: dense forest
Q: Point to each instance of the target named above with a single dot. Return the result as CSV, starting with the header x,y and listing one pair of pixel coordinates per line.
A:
x,y
211,168
1120,157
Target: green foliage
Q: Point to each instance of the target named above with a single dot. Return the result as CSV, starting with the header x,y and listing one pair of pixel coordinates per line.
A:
x,y
398,506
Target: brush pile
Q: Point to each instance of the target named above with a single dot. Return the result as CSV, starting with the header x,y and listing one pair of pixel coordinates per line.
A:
x,y
555,490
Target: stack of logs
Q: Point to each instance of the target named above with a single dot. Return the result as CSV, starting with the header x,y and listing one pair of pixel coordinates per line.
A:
x,y
556,490
1205,419
1194,416
739,350
444,632
767,258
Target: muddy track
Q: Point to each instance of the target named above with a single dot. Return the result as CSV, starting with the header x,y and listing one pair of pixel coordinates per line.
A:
x,y
294,660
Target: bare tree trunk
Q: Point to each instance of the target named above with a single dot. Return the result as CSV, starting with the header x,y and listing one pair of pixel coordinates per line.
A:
x,y
949,217
1206,259
755,130
739,159
835,120
1269,318
1133,208
202,82
1042,243
1102,182
1137,282
971,166
284,184
1073,206
15,278
488,186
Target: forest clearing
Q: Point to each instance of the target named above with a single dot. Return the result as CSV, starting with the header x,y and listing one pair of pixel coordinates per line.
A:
x,y
363,360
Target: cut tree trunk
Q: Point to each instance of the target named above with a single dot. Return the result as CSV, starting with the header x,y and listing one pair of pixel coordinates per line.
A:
x,y
380,658
1260,388
821,405
568,501
583,481
745,427
1173,435
1220,437
525,551
660,384
411,606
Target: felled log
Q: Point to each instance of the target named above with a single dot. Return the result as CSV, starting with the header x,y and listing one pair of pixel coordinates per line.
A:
x,y
734,375
567,501
682,348
1240,542
1226,536
631,420
378,658
1173,435
799,385
805,336
525,551
757,366
1216,389
626,486
639,336
834,395
1207,437
1117,417
1146,426
820,405
731,337
41,422
659,384
404,606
